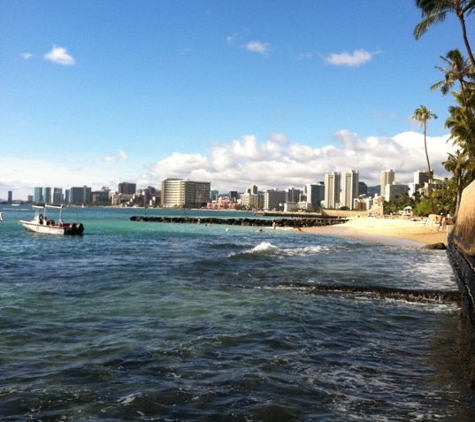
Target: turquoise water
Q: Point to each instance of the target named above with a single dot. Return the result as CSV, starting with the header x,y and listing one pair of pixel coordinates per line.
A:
x,y
147,321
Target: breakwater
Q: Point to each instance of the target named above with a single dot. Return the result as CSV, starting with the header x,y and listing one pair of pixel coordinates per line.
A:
x,y
258,222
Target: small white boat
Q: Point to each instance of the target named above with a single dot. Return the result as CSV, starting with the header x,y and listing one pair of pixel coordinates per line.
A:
x,y
42,224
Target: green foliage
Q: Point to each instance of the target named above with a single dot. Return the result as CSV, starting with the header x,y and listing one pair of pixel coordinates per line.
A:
x,y
423,207
446,199
458,71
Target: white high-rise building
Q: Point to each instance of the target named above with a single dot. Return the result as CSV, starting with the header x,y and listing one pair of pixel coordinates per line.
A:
x,y
349,189
332,190
387,178
185,193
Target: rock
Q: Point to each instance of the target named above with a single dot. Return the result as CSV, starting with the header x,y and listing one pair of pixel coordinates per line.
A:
x,y
435,246
464,231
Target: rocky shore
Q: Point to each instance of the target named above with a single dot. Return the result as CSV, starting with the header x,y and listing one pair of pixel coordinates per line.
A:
x,y
461,250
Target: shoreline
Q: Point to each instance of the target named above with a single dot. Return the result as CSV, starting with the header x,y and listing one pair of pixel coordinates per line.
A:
x,y
388,231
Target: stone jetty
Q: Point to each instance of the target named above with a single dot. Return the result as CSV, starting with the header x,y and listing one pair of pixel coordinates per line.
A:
x,y
257,222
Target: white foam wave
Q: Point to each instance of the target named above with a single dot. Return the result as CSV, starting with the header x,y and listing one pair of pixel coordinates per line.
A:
x,y
264,247
267,248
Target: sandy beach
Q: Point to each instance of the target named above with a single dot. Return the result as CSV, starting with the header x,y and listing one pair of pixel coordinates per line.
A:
x,y
398,231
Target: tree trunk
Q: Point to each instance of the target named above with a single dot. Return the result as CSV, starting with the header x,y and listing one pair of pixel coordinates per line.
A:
x,y
429,168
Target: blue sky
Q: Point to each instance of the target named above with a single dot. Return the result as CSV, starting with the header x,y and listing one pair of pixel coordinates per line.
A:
x,y
271,93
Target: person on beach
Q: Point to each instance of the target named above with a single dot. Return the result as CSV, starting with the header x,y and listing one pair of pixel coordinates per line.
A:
x,y
442,222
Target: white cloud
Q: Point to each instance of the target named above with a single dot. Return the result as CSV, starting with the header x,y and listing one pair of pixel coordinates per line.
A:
x,y
357,58
258,47
26,56
275,162
60,56
120,156
238,39
230,39
279,163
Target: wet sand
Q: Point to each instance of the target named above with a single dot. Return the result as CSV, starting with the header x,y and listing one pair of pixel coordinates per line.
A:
x,y
398,231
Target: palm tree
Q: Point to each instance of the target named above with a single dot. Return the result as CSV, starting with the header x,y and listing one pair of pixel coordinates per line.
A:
x,y
461,122
435,11
458,70
457,164
422,115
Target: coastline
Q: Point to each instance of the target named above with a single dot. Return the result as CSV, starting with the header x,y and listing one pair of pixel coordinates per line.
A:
x,y
388,231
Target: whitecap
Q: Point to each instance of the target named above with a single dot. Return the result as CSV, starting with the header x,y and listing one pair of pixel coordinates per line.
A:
x,y
263,248
128,399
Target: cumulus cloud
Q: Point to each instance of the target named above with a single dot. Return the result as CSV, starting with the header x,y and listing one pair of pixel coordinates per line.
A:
x,y
59,55
355,59
120,156
258,47
26,56
273,162
280,163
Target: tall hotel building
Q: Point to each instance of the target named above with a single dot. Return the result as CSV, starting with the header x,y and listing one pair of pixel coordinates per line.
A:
x,y
38,197
126,188
387,178
80,195
421,177
185,193
332,190
349,189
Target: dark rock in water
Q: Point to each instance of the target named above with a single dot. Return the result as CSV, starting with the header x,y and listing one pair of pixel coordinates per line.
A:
x,y
436,246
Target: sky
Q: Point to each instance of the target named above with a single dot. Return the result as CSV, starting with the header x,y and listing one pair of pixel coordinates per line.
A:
x,y
272,93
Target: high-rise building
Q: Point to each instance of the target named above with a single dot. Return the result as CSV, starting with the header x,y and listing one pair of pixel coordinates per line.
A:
x,y
80,195
57,196
332,190
185,193
274,199
395,192
421,177
126,188
293,195
47,195
387,178
349,189
38,195
233,196
315,193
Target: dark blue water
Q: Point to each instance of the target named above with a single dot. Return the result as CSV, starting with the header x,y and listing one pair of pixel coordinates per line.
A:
x,y
149,321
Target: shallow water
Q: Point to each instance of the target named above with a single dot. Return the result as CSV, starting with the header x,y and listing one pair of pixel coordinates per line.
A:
x,y
150,321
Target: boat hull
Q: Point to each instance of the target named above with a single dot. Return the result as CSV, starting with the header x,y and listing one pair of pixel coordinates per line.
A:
x,y
60,230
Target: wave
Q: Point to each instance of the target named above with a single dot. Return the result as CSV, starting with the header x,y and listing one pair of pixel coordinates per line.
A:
x,y
268,249
392,293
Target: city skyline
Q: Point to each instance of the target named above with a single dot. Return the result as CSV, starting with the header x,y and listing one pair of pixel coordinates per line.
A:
x,y
235,92
62,190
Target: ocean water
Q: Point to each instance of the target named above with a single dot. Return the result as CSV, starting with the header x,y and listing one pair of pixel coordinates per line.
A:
x,y
139,321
